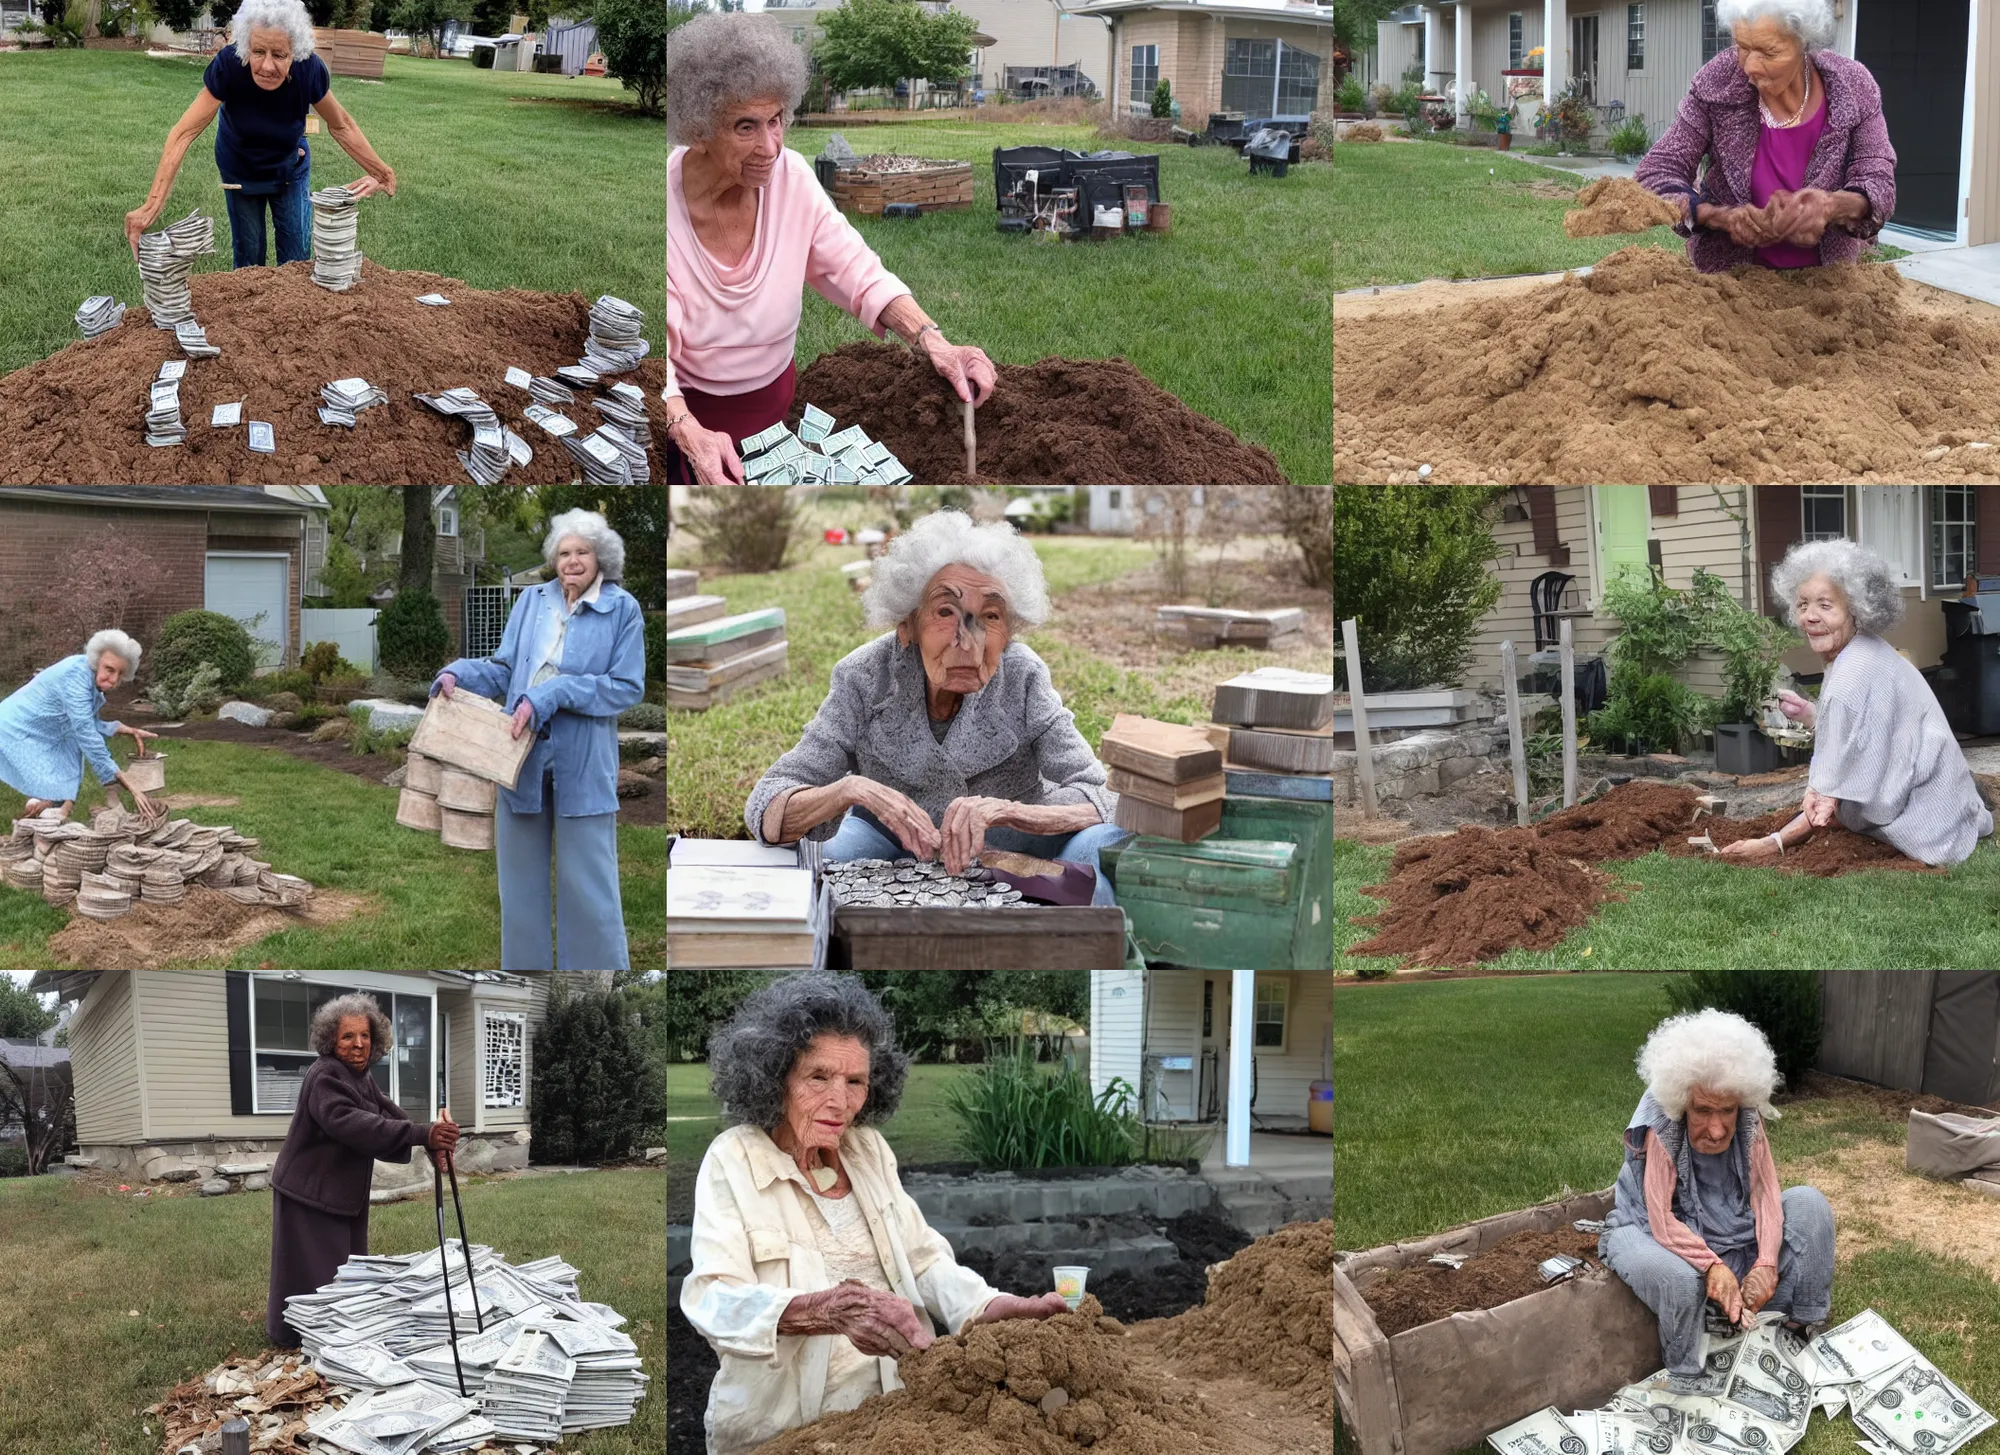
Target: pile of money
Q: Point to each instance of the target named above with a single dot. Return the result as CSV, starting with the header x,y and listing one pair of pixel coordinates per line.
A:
x,y
165,259
550,420
494,446
336,257
343,399
193,339
622,403
817,455
887,883
525,1393
399,1421
614,345
544,390
99,315
163,409
605,455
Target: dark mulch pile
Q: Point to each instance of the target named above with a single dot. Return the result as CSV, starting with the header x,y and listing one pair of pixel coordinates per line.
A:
x,y
691,1368
1155,1293
1504,1272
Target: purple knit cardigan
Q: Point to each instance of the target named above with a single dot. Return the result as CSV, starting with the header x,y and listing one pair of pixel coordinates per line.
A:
x,y
1718,123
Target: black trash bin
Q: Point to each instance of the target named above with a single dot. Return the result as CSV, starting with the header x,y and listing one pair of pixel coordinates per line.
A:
x,y
1967,682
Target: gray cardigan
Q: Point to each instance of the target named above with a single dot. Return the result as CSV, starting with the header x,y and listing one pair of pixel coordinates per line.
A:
x,y
1012,739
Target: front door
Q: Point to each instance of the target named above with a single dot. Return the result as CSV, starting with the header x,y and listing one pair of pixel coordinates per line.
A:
x,y
1583,54
1916,50
1623,516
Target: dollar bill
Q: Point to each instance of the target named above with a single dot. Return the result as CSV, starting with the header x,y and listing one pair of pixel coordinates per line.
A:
x,y
1861,1348
1765,1380
1607,1433
1921,1412
1542,1433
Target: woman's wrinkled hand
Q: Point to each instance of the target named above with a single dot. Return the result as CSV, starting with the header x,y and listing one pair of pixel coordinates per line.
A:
x,y
447,684
138,220
1723,1288
1757,1289
443,1138
965,367
524,717
139,736
369,186
910,824
1799,709
1750,227
1012,1306
1818,808
1802,217
882,1325
711,452
1752,851
963,833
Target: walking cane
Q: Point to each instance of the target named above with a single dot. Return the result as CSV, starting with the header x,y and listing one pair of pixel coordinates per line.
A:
x,y
464,1244
444,1267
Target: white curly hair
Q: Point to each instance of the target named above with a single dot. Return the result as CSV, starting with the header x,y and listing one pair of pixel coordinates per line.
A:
x,y
946,538
1811,21
290,16
609,545
1860,575
1713,1050
115,642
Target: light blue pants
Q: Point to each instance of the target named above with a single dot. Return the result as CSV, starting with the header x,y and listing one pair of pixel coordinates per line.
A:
x,y
860,837
1669,1285
587,910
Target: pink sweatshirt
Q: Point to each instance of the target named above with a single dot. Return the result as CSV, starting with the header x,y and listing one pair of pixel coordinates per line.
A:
x,y
1676,1236
732,330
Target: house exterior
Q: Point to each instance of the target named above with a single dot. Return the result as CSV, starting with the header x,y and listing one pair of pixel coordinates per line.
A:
x,y
1937,61
1025,37
454,565
1934,535
1252,57
180,1070
242,550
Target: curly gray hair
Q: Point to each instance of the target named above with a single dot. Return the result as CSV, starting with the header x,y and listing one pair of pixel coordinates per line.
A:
x,y
1810,20
1712,1050
115,642
750,1057
609,545
326,1025
290,16
945,538
718,61
1860,575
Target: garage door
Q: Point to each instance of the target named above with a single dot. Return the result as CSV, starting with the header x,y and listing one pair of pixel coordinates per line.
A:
x,y
247,587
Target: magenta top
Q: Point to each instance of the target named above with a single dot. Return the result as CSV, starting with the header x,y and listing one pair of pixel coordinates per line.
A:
x,y
1782,155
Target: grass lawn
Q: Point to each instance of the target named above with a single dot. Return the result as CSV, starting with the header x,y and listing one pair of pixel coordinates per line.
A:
x,y
77,1370
502,180
1230,311
429,906
1464,1098
1686,914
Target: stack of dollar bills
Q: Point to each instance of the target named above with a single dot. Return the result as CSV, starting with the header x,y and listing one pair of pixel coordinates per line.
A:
x,y
335,225
494,446
99,315
165,259
344,399
614,344
1755,1393
818,455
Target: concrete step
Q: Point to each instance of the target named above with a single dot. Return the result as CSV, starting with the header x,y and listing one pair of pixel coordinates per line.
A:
x,y
1257,1213
1021,1202
678,1238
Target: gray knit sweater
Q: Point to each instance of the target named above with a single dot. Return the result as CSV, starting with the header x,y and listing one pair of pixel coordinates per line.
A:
x,y
1012,739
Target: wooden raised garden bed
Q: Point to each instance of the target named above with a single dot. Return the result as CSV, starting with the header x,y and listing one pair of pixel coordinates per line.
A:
x,y
352,52
934,186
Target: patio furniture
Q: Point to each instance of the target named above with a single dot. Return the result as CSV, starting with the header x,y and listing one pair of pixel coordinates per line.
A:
x,y
1550,598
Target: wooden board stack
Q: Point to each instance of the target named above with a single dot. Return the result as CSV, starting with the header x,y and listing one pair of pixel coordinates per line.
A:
x,y
464,751
738,904
1210,626
686,606
1276,725
712,662
940,186
1168,778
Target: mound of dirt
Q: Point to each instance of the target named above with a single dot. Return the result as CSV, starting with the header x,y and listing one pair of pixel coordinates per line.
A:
x,y
1617,204
78,416
1022,1387
1269,1315
1830,851
1058,422
1646,371
1366,131
204,926
1632,819
1500,1274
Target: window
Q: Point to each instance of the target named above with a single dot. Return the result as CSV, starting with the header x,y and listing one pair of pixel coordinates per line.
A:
x,y
1714,38
1298,82
506,1063
1516,43
1954,552
1145,74
1270,78
1421,32
281,1046
1823,509
1112,498
1271,1021
1635,37
448,520
1207,1009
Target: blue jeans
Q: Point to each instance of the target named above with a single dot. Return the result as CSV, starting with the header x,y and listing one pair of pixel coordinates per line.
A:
x,y
586,908
290,219
861,837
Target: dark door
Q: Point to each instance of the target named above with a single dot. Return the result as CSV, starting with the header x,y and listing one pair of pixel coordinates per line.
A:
x,y
1583,53
1916,50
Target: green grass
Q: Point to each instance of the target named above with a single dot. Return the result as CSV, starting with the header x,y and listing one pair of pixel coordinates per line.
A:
x,y
77,1371
1686,914
429,906
499,182
1230,311
922,1130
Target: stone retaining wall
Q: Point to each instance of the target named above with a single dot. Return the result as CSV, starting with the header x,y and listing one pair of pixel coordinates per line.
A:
x,y
183,1161
1430,762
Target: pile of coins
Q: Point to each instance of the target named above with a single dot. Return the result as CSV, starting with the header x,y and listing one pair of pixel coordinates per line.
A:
x,y
889,884
336,257
614,345
121,859
165,259
99,315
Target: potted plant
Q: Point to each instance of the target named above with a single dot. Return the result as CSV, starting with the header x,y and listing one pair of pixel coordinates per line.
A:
x,y
1503,124
1753,648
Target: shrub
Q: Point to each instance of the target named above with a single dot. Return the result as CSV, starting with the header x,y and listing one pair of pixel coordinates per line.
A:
x,y
13,1161
643,718
323,658
1413,576
342,686
189,638
312,714
1647,712
385,742
633,36
399,689
1783,1004
656,646
194,693
1012,1114
1628,138
746,530
598,1095
412,638
274,684
1163,98
1349,95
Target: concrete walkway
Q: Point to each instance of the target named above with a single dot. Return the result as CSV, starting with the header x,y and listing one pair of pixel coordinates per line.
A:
x,y
1973,272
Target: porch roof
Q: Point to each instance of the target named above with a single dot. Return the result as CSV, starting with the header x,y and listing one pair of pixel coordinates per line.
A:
x,y
1243,9
75,984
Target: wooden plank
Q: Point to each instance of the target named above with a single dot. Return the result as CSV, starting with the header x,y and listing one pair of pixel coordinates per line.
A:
x,y
1569,714
1166,795
1168,751
474,734
701,699
1084,937
688,642
681,583
1357,698
685,611
1364,1379
694,677
1516,748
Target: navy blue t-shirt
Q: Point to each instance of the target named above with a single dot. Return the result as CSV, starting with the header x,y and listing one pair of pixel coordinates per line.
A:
x,y
258,137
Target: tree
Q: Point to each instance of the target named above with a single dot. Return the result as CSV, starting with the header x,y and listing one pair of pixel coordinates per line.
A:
x,y
871,44
419,540
1354,21
43,1100
411,636
598,1095
1412,574
22,1015
428,19
1163,99
346,583
1783,1004
633,36
127,576
178,14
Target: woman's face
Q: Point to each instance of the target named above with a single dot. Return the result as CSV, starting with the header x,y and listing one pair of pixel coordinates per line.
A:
x,y
960,630
110,671
1823,614
270,56
354,1042
1711,1120
1769,54
747,140
576,561
825,1091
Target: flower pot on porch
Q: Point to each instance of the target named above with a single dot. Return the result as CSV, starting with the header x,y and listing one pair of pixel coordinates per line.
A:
x,y
1740,748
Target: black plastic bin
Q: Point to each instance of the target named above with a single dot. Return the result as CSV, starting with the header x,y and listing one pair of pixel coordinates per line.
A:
x,y
1740,748
1099,177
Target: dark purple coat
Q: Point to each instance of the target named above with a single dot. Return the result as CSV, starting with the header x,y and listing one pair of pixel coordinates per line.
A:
x,y
1718,123
343,1126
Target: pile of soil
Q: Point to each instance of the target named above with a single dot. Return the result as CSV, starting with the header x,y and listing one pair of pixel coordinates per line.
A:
x,y
1648,371
1830,851
1502,1273
1631,820
1156,1292
1269,1315
1058,422
207,925
1366,131
78,416
1617,204
1021,1387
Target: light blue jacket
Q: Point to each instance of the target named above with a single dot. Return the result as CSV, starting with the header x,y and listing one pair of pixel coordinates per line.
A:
x,y
46,724
576,714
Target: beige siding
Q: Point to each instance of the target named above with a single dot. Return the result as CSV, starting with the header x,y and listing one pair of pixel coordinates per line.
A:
x,y
1284,1082
1673,55
1983,201
1395,51
456,1014
184,1020
104,1064
1143,28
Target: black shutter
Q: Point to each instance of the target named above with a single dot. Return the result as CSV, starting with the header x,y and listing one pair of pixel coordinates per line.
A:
x,y
1985,530
1780,525
237,994
1663,499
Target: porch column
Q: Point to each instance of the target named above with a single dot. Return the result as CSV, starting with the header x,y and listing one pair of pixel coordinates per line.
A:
x,y
1461,59
1432,65
1242,1024
1555,48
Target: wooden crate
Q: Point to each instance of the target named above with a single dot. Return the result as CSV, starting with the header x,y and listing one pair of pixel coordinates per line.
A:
x,y
351,52
947,187
1447,1385
1048,937
473,734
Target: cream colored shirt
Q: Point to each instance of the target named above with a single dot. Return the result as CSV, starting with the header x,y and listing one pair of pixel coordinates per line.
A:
x,y
757,1243
849,1251
564,612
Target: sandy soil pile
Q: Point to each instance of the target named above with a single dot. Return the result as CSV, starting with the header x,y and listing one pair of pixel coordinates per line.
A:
x,y
204,926
1366,131
1617,204
1647,372
78,416
1500,1274
1269,1315
1058,422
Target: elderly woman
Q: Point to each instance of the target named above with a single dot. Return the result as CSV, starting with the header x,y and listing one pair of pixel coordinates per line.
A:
x,y
344,1124
813,1269
944,736
748,226
1774,193
1884,760
262,83
1698,1217
572,658
50,726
